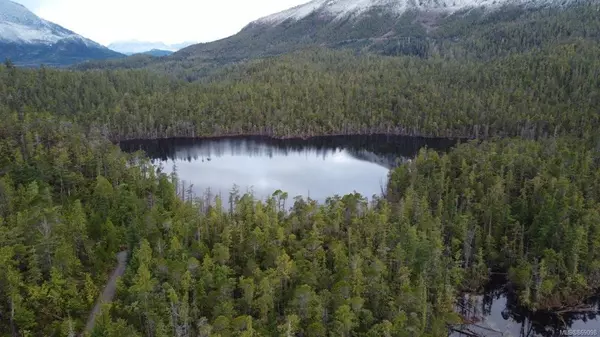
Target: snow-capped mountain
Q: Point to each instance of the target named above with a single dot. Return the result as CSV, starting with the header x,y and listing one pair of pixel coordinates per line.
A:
x,y
347,8
19,25
391,27
28,39
138,47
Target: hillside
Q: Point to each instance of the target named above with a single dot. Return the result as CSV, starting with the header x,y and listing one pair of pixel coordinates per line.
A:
x,y
474,33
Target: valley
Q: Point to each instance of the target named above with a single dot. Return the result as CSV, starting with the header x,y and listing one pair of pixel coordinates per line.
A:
x,y
342,168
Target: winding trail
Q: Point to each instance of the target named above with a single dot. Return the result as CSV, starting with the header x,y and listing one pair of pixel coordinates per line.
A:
x,y
108,293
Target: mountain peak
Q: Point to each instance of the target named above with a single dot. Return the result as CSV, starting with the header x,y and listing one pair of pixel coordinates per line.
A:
x,y
15,13
27,39
345,8
19,25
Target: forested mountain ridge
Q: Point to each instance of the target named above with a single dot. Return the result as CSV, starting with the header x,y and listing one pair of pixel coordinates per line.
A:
x,y
476,33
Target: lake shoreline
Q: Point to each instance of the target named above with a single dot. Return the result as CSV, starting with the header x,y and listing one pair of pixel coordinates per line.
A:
x,y
292,137
319,167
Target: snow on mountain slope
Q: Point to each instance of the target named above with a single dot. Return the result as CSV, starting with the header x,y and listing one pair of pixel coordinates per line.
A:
x,y
345,8
295,13
28,40
21,26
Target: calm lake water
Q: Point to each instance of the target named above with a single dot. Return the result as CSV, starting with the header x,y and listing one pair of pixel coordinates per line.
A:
x,y
317,168
324,167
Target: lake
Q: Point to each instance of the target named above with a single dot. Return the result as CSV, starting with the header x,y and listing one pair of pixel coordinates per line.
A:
x,y
317,168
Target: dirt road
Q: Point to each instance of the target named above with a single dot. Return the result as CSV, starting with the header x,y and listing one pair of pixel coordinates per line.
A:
x,y
109,291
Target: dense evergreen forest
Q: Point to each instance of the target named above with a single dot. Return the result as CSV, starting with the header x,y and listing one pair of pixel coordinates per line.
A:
x,y
391,266
523,199
546,92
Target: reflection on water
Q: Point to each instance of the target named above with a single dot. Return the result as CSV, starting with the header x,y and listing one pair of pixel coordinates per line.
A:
x,y
317,168
497,313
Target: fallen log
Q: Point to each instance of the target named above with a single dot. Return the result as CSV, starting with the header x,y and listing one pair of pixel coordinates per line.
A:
x,y
465,332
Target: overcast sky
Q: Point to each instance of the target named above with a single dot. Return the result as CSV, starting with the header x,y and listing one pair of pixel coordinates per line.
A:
x,y
169,21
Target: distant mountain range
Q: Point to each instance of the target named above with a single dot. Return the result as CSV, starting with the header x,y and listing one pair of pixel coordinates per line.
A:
x,y
144,47
28,40
156,52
